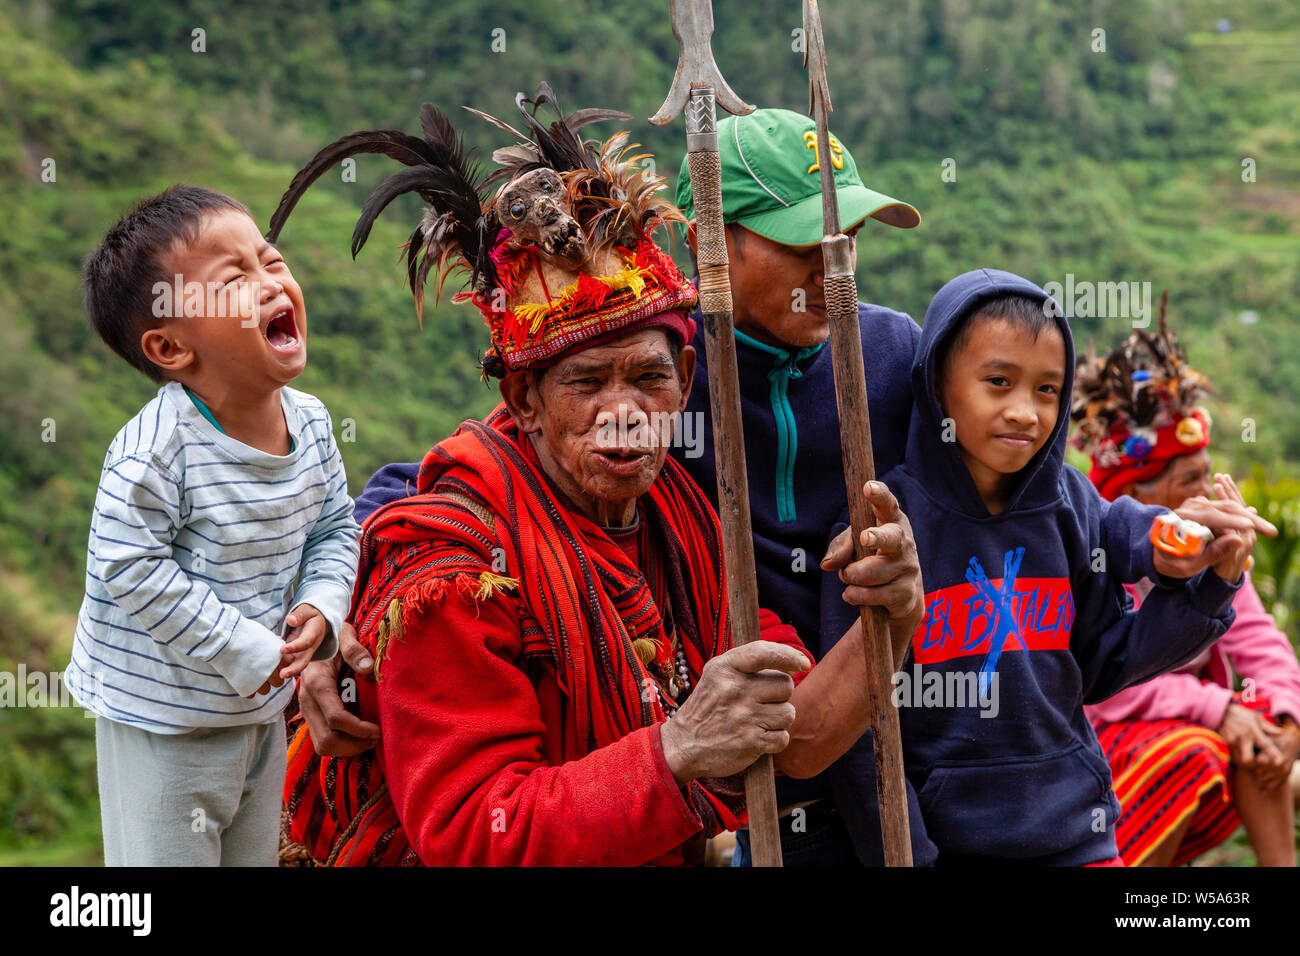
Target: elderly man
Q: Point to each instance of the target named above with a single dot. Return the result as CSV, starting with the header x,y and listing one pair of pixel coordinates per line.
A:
x,y
772,207
546,616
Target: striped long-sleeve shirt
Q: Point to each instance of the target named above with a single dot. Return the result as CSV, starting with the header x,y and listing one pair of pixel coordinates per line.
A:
x,y
199,547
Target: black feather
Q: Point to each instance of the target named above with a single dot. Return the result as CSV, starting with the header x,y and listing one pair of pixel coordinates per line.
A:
x,y
413,246
393,143
560,146
422,178
580,118
445,176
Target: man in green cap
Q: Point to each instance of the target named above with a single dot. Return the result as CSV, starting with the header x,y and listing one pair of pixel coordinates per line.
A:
x,y
771,204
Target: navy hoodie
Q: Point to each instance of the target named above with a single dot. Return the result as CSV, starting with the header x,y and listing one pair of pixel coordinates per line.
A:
x,y
791,424
1016,595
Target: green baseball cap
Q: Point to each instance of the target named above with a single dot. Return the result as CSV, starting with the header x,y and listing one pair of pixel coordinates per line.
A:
x,y
771,184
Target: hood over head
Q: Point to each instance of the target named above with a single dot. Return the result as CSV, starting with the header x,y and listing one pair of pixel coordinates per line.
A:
x,y
937,464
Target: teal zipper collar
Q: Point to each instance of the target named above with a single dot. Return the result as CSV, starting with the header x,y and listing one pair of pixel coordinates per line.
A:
x,y
783,355
785,367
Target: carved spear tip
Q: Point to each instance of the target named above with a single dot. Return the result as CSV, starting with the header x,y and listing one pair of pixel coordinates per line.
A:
x,y
693,28
814,58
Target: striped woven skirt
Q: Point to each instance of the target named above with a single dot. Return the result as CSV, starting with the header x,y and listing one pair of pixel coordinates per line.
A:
x,y
1162,770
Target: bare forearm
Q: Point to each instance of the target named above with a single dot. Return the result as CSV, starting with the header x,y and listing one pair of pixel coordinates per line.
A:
x,y
831,704
831,710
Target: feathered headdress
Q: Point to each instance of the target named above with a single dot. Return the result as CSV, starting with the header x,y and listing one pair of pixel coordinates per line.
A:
x,y
1137,408
559,254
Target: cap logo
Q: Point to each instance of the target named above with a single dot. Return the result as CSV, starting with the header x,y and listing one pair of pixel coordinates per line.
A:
x,y
837,151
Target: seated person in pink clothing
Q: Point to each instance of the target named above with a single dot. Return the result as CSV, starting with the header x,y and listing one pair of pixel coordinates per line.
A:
x,y
1191,756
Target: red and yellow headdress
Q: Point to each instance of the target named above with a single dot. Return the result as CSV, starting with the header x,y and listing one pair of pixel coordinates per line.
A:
x,y
1137,408
560,255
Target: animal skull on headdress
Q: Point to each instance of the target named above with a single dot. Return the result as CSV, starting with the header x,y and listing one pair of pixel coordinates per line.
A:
x,y
536,211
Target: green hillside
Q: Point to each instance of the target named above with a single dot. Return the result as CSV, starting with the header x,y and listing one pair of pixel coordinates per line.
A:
x,y
1115,165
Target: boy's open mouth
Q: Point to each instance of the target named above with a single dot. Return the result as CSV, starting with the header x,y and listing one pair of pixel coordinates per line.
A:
x,y
282,331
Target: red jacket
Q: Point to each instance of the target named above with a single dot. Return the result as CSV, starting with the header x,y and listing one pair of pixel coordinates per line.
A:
x,y
473,750
518,726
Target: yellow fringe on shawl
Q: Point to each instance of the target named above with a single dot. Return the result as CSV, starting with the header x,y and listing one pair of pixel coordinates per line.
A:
x,y
535,313
390,625
489,584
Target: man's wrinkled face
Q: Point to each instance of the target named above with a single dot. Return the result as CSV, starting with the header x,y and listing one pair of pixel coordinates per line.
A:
x,y
778,292
602,419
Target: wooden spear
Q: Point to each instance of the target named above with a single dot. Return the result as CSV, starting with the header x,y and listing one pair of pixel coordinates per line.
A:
x,y
699,88
859,465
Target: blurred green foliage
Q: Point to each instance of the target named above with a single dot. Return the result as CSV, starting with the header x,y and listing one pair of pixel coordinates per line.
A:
x,y
1122,164
1276,573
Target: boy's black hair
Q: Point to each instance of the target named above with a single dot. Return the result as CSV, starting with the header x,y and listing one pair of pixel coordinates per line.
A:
x,y
119,276
1025,313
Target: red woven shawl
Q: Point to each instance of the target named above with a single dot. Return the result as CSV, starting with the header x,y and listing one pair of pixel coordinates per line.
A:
x,y
585,603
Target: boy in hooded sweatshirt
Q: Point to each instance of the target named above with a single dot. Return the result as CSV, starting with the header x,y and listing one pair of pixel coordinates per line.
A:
x,y
1023,563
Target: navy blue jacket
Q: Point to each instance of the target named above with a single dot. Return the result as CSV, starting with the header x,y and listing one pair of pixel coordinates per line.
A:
x,y
796,493
1027,596
387,484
